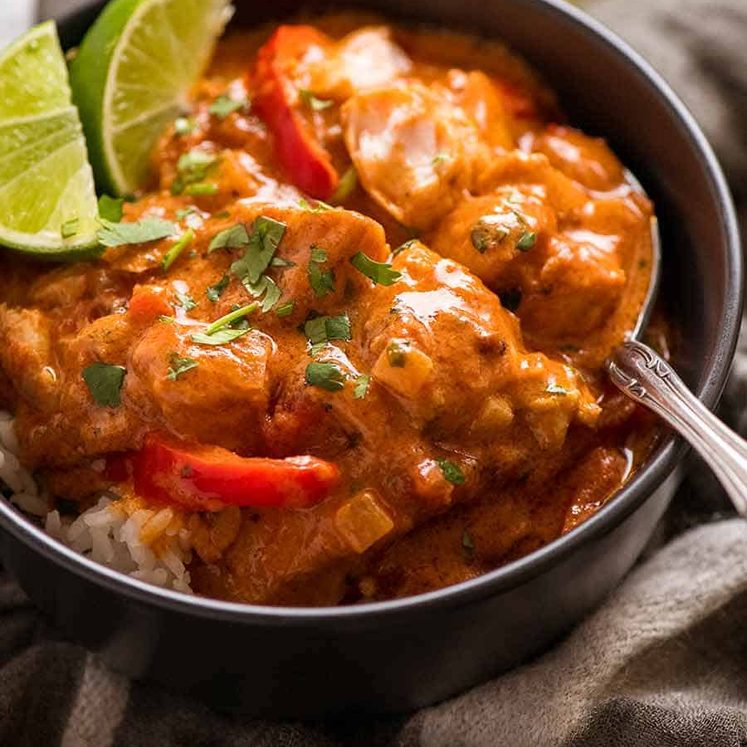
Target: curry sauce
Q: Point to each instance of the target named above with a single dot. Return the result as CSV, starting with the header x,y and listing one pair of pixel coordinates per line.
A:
x,y
367,362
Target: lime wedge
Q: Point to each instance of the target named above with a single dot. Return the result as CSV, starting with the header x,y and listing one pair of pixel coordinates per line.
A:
x,y
131,77
47,198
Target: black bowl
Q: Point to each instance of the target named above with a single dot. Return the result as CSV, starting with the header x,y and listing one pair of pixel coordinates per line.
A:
x,y
395,656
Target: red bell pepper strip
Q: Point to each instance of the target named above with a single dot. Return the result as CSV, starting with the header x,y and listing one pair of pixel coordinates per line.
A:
x,y
208,478
276,101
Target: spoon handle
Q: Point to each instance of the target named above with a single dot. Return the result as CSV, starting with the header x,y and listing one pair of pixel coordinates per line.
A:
x,y
647,378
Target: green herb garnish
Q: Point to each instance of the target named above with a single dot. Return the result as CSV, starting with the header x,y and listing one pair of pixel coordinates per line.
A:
x,y
348,182
322,281
314,103
214,292
173,253
221,336
261,246
234,237
526,241
265,289
556,389
396,353
225,105
325,376
322,329
192,168
285,309
381,273
186,301
360,390
451,471
139,232
179,366
317,207
201,189
231,317
104,382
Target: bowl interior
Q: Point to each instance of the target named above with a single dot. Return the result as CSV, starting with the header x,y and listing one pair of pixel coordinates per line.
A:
x,y
606,90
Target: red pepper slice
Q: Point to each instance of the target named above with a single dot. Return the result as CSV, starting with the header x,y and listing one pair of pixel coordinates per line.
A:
x,y
275,100
208,478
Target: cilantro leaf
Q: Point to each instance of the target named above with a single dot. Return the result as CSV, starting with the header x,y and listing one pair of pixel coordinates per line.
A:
x,y
225,105
452,472
179,246
230,238
381,273
220,337
191,168
325,376
179,366
285,309
314,103
325,328
266,289
526,241
262,244
214,292
360,390
139,232
104,382
322,281
186,301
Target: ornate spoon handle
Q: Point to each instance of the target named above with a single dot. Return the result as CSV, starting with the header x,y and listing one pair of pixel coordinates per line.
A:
x,y
647,378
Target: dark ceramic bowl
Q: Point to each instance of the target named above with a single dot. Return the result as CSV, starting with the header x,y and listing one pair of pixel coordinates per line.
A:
x,y
395,656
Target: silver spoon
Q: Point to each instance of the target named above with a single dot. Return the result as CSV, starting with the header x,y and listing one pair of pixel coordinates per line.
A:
x,y
643,375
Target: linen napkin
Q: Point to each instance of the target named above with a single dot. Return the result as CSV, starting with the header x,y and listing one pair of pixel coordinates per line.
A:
x,y
663,662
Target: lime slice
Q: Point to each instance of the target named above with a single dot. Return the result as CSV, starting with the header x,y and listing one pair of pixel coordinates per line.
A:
x,y
131,78
47,198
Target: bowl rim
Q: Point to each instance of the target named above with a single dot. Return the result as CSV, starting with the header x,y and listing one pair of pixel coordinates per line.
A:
x,y
654,472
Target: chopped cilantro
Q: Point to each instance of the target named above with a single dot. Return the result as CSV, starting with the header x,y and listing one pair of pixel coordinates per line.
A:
x,y
104,382
265,289
325,376
231,317
360,390
348,182
451,471
214,292
526,241
486,234
318,207
179,246
396,353
201,189
225,105
179,366
381,273
322,281
325,328
192,168
220,337
262,244
110,208
285,309
280,262
314,103
186,301
139,232
69,228
556,389
234,237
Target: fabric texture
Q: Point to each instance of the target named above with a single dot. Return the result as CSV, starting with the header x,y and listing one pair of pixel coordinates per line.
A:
x,y
663,662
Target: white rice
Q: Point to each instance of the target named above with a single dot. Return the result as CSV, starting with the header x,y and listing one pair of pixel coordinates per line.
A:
x,y
106,532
